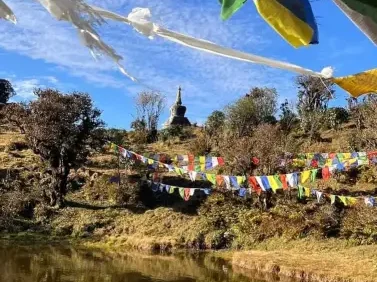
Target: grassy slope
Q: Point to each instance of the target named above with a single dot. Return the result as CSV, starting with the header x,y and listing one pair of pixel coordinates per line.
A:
x,y
163,228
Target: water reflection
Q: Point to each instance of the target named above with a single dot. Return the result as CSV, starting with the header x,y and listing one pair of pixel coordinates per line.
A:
x,y
59,263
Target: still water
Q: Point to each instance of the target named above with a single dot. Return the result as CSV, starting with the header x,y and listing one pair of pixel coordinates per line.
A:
x,y
50,263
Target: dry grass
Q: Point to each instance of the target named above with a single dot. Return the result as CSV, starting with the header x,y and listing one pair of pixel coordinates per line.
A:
x,y
307,262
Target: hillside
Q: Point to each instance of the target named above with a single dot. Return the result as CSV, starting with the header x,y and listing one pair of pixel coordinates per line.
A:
x,y
101,214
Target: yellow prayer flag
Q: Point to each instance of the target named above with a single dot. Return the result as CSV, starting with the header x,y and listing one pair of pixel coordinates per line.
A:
x,y
358,84
343,199
305,175
289,22
352,201
150,161
347,156
202,167
202,159
211,178
273,184
240,180
307,192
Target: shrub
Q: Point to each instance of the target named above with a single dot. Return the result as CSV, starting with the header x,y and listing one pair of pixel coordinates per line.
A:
x,y
335,117
201,145
248,112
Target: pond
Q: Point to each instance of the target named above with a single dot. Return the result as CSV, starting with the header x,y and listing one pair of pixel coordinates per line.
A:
x,y
49,263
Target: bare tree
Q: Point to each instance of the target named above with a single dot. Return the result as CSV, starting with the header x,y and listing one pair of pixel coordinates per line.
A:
x,y
149,106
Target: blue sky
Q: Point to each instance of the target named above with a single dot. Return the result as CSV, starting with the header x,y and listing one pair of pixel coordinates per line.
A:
x,y
40,51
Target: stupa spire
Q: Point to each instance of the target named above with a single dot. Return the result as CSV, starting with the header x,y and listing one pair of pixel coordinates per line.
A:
x,y
178,100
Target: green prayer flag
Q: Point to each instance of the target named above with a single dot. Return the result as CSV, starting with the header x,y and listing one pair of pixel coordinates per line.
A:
x,y
211,178
278,180
343,199
197,168
300,193
182,192
313,175
171,189
229,7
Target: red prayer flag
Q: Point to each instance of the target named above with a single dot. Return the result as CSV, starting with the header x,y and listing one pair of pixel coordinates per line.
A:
x,y
254,185
283,179
326,173
187,194
219,180
220,160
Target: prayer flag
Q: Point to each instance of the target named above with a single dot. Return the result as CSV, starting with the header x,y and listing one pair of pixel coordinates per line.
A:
x,y
242,192
300,192
260,182
187,194
292,19
369,201
305,175
234,182
192,175
333,199
254,184
363,13
220,180
325,173
220,161
307,192
313,175
182,192
273,184
265,182
211,178
283,179
360,83
229,7
351,201
227,182
240,180
319,196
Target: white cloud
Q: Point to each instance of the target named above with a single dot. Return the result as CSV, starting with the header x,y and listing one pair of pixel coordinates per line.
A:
x,y
24,86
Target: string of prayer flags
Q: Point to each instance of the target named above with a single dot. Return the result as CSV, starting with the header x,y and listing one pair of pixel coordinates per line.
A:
x,y
229,7
306,192
139,19
257,183
360,83
292,19
363,13
185,193
191,162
